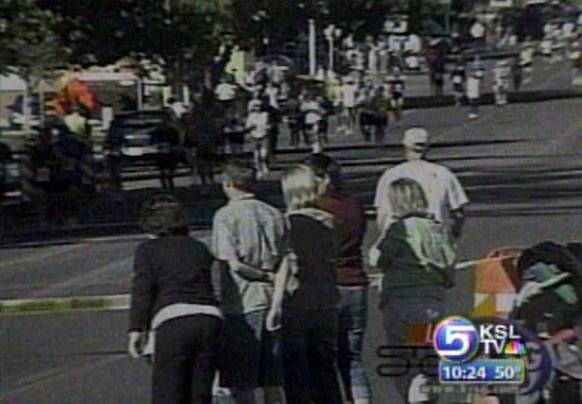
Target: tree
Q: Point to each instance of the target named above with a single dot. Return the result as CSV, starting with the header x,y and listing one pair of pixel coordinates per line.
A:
x,y
29,46
179,32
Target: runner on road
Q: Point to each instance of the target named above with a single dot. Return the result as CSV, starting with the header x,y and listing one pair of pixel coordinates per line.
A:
x,y
458,77
502,75
397,87
475,75
446,197
258,125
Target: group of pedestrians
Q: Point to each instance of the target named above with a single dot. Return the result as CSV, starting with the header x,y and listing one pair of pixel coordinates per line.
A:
x,y
306,112
278,303
282,278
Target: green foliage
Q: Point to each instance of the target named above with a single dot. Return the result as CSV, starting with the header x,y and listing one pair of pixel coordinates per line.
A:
x,y
103,31
28,44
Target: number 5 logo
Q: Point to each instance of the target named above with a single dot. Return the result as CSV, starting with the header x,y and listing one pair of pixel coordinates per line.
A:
x,y
456,339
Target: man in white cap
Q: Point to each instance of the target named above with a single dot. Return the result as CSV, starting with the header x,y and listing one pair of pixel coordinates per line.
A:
x,y
446,197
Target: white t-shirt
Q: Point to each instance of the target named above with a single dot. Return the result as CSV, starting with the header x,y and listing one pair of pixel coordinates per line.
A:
x,y
178,108
312,111
258,120
272,93
225,92
443,190
413,44
349,92
473,84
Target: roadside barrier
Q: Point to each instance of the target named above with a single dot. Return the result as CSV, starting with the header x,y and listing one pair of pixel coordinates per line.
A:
x,y
496,283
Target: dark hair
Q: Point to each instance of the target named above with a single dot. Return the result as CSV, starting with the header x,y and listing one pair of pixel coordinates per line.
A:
x,y
163,215
323,165
240,174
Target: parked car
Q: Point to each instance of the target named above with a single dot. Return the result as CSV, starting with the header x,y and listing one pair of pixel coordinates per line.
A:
x,y
131,134
134,137
16,116
9,175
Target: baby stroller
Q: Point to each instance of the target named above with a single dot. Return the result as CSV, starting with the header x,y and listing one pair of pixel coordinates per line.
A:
x,y
549,303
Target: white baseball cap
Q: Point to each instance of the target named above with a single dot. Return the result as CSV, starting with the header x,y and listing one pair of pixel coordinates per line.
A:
x,y
415,138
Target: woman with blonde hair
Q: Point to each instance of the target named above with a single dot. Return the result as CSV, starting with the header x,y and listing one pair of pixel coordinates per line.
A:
x,y
417,259
407,198
306,297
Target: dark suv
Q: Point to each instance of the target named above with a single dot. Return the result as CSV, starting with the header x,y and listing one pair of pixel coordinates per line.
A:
x,y
130,134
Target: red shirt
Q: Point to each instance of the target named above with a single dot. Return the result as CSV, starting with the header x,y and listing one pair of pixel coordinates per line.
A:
x,y
350,213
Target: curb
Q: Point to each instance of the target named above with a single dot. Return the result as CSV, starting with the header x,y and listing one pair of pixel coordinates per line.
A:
x,y
64,304
123,301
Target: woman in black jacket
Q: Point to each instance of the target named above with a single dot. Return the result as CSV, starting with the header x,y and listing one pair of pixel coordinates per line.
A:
x,y
173,296
306,297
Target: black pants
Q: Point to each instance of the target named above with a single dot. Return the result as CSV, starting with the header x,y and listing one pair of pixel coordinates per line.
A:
x,y
310,356
295,130
400,315
367,122
380,123
185,360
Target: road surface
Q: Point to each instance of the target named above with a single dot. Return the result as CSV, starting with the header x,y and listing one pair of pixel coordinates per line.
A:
x,y
522,193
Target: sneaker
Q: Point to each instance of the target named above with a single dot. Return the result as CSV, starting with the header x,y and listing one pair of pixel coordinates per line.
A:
x,y
473,116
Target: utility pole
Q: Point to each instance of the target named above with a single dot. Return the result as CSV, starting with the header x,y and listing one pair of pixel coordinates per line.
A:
x,y
312,44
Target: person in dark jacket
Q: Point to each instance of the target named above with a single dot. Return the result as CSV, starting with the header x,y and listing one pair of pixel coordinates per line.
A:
x,y
173,302
167,140
417,259
307,313
352,280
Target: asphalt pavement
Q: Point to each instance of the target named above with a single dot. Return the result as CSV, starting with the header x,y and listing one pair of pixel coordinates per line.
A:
x,y
520,165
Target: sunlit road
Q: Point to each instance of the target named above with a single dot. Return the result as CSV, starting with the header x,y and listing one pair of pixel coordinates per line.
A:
x,y
522,193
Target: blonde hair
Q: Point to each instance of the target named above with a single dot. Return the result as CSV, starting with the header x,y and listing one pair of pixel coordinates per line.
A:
x,y
407,197
300,187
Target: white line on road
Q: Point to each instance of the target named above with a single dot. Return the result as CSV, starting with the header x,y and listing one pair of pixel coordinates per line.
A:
x,y
59,377
88,278
122,302
39,257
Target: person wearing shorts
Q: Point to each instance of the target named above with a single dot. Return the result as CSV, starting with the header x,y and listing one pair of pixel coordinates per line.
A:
x,y
458,77
248,237
397,85
258,124
312,119
349,97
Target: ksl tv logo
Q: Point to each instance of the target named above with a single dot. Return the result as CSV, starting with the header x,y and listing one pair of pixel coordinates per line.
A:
x,y
457,339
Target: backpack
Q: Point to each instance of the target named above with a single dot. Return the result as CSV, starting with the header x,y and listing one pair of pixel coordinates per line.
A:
x,y
433,247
